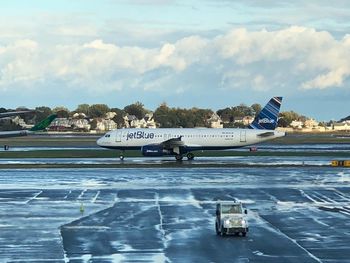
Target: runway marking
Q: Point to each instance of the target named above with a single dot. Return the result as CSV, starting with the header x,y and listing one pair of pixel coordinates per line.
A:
x,y
82,193
162,231
32,198
273,198
324,198
95,197
320,222
70,191
261,254
308,197
346,208
341,194
38,260
345,213
291,239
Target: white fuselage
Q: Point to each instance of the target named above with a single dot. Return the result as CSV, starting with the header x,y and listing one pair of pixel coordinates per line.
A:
x,y
192,138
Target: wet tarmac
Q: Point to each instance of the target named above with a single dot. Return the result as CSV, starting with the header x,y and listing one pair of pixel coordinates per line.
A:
x,y
198,161
167,214
266,147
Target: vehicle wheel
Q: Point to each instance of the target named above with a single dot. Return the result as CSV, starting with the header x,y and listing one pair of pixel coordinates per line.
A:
x,y
244,234
178,157
121,157
190,156
217,229
223,232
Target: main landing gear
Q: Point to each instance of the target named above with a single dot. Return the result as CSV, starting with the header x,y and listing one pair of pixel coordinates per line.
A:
x,y
179,157
190,156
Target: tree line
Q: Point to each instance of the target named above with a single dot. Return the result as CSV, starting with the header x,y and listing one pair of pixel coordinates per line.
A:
x,y
165,116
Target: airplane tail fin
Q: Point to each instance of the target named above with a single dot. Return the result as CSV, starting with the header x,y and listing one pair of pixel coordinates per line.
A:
x,y
44,123
268,116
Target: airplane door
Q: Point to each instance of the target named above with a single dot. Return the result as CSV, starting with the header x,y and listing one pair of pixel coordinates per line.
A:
x,y
243,136
118,137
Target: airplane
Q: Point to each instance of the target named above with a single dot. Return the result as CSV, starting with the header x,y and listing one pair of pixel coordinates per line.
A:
x,y
14,113
180,141
38,127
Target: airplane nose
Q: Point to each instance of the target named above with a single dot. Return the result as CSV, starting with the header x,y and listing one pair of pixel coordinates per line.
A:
x,y
99,142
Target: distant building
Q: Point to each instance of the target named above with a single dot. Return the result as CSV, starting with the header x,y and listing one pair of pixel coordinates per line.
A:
x,y
129,121
148,121
80,124
342,126
110,115
247,120
19,121
215,121
60,124
105,125
311,124
296,124
238,120
79,115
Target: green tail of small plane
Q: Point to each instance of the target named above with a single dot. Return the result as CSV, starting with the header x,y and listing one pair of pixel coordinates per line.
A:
x,y
44,123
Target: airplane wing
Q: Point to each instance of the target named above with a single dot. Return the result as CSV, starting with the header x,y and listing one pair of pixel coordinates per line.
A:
x,y
172,143
13,113
8,134
38,127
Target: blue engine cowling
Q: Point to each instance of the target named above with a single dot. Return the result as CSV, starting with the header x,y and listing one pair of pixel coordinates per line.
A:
x,y
153,150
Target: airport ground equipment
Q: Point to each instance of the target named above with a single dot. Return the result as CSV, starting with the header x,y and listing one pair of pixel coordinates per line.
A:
x,y
230,218
340,163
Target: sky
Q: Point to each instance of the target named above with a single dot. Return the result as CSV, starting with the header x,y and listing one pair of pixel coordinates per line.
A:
x,y
208,54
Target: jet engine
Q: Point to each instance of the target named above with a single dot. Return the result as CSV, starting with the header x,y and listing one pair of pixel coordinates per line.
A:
x,y
153,150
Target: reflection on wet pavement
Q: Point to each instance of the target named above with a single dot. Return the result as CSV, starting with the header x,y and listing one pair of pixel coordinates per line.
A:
x,y
167,214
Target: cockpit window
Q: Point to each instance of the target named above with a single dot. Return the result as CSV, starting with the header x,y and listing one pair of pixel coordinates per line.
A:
x,y
107,135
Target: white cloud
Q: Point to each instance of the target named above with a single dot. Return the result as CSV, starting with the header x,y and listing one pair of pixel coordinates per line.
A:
x,y
260,60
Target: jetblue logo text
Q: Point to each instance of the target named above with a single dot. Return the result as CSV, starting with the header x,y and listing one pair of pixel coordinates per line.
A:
x,y
266,120
139,135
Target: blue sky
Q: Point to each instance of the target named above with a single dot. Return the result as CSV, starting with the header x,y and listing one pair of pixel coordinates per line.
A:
x,y
209,54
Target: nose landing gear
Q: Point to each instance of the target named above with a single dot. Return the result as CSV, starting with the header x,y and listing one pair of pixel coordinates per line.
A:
x,y
121,155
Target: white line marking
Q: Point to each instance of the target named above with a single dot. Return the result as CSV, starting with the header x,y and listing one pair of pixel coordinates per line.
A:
x,y
291,239
32,198
82,193
325,198
70,191
341,194
308,197
95,197
160,216
345,213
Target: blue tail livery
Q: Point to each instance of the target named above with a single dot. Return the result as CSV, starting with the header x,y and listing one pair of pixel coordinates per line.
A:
x,y
268,116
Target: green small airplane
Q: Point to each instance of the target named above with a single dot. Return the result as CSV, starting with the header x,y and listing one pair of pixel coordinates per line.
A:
x,y
38,127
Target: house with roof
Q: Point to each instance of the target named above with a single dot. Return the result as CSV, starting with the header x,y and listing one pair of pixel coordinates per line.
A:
x,y
215,121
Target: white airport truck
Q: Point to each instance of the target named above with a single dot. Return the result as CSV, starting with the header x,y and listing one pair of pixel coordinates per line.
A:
x,y
231,218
